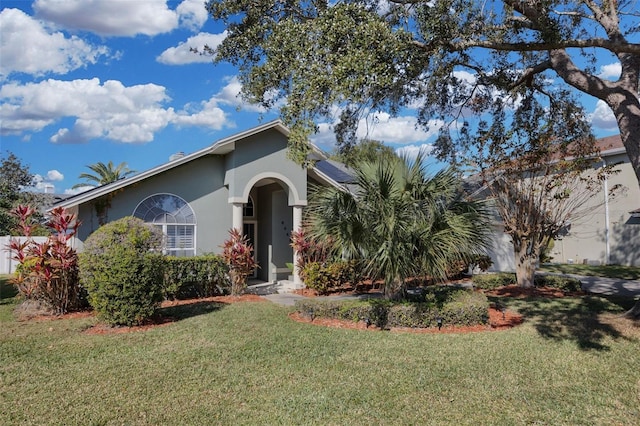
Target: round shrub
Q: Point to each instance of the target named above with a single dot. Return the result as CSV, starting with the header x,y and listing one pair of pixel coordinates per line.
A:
x,y
122,269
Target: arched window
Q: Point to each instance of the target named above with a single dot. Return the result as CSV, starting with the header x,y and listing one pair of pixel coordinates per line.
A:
x,y
248,209
176,219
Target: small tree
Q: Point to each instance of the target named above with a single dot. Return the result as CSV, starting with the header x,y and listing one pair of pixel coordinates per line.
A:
x,y
537,164
48,271
400,221
14,177
104,174
238,254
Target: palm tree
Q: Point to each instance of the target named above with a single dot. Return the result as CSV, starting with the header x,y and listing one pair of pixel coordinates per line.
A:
x,y
104,174
400,221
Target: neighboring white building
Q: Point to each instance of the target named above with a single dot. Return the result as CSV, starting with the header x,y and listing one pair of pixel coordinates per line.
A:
x,y
609,234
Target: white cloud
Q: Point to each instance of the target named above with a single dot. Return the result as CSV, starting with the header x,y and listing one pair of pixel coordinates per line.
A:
x,y
110,110
396,130
380,126
74,191
27,46
412,151
182,53
54,175
611,71
207,115
192,14
113,18
603,118
230,95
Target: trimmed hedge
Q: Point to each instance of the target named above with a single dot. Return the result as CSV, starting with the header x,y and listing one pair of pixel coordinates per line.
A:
x,y
566,284
501,279
460,307
491,281
197,276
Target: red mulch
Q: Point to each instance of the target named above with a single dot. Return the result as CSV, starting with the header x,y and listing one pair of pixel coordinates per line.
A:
x,y
497,319
496,322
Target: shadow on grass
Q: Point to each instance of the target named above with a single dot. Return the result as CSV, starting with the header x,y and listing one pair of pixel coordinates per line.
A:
x,y
610,271
7,291
573,319
189,310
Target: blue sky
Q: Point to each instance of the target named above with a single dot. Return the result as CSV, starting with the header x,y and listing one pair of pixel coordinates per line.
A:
x,y
83,81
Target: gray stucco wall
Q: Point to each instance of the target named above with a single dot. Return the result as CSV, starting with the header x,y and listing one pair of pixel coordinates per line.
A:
x,y
264,156
587,239
199,183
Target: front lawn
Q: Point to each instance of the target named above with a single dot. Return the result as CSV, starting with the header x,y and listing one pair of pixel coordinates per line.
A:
x,y
610,271
572,362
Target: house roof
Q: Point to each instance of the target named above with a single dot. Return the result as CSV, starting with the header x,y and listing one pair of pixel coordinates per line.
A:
x,y
221,147
610,145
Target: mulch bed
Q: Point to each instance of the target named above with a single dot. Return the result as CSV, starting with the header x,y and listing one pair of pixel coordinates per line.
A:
x,y
496,322
498,319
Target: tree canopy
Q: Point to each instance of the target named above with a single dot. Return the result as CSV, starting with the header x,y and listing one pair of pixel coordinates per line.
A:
x,y
448,59
14,177
104,174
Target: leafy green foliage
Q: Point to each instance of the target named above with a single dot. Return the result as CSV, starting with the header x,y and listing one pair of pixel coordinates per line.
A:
x,y
14,177
324,277
48,271
196,276
455,59
122,273
566,284
501,279
457,307
365,151
493,280
237,252
400,222
103,174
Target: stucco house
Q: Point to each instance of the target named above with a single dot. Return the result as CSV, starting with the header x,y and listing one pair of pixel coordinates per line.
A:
x,y
608,234
247,182
244,181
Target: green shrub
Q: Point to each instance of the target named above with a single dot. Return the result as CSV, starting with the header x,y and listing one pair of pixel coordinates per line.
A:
x,y
501,279
461,307
197,276
326,277
566,284
121,273
491,281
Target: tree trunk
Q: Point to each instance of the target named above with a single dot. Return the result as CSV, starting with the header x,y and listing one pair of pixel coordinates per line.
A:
x,y
634,313
394,290
525,265
628,116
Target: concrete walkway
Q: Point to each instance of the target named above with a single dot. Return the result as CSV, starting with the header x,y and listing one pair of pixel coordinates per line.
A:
x,y
595,285
609,286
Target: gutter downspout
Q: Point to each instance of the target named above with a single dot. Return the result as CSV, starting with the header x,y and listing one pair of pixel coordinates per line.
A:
x,y
607,251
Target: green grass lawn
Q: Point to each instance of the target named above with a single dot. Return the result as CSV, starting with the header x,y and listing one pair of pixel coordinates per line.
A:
x,y
573,361
611,271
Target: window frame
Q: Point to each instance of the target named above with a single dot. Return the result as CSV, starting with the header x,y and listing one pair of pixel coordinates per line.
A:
x,y
190,222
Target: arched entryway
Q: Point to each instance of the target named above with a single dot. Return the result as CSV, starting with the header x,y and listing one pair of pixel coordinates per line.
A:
x,y
276,211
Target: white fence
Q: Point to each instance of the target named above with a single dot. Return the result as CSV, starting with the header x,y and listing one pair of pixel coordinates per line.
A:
x,y
8,264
